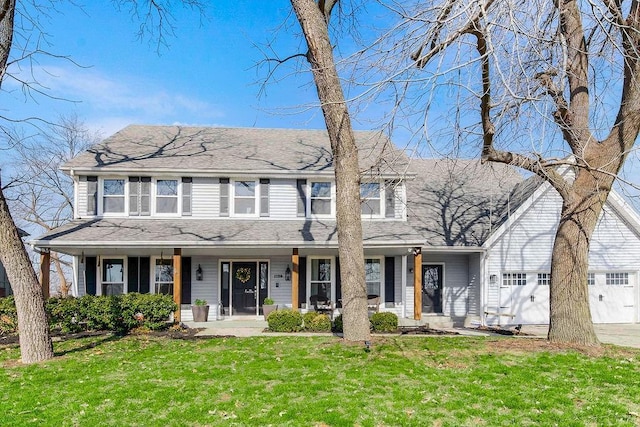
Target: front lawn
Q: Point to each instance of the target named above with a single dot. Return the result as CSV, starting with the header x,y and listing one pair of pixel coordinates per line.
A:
x,y
320,381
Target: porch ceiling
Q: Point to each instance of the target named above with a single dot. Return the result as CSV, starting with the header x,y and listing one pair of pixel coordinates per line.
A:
x,y
206,234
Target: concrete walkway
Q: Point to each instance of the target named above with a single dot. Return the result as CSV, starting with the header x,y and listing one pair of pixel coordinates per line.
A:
x,y
627,335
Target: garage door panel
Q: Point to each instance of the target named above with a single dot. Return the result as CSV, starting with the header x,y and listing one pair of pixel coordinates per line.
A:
x,y
612,303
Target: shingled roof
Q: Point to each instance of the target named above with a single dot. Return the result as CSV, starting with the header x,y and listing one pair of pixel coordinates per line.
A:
x,y
454,202
227,150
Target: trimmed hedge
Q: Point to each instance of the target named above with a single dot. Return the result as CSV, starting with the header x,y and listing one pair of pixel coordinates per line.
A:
x,y
384,322
285,321
117,313
317,322
337,324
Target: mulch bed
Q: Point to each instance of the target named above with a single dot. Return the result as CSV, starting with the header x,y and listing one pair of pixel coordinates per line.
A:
x,y
423,330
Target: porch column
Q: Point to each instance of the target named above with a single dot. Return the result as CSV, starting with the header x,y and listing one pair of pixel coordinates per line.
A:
x,y
417,283
45,269
295,261
177,281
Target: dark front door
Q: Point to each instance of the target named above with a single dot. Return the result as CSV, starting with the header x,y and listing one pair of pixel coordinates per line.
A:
x,y
244,278
432,288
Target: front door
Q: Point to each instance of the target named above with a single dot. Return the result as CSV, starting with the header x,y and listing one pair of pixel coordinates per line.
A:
x,y
244,293
432,288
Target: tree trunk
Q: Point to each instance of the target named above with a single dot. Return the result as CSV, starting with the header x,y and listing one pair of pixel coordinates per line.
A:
x,y
35,342
313,22
570,315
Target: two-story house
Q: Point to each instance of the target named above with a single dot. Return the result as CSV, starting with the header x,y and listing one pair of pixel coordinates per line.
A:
x,y
235,215
230,216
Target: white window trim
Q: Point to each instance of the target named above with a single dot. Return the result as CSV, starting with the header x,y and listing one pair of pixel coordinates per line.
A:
x,y
332,212
382,201
383,276
333,277
232,198
154,197
101,211
125,287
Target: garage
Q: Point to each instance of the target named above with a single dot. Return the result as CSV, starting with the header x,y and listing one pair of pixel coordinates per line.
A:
x,y
612,297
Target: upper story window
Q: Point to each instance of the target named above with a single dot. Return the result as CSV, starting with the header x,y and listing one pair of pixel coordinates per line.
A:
x,y
321,198
370,198
244,197
113,196
167,196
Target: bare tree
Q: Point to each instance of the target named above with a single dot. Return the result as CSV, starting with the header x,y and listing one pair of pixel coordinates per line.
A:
x,y
314,18
42,195
545,76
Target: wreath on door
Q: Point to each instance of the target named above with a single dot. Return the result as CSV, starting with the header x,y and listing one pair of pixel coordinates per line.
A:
x,y
243,274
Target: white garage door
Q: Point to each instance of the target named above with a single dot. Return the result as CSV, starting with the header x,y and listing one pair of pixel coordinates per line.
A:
x,y
612,297
526,296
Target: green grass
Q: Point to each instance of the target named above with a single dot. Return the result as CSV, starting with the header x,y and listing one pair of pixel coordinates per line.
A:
x,y
319,381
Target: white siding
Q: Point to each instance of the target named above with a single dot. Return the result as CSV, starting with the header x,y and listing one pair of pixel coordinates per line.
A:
x,y
206,197
456,280
475,280
283,198
614,246
280,290
397,271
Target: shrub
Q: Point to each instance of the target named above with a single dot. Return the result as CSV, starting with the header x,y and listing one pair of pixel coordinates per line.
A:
x,y
318,323
285,321
8,316
65,314
148,310
384,322
309,316
337,324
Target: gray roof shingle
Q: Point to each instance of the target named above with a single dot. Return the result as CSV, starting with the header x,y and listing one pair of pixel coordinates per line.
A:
x,y
212,149
454,202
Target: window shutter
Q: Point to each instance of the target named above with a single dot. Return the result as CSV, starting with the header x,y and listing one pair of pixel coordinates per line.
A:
x,y
92,195
389,278
145,195
133,274
302,198
186,198
134,194
185,297
390,199
302,281
264,197
224,196
90,275
145,274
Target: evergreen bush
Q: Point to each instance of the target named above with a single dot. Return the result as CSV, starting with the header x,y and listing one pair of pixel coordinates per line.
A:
x,y
384,322
285,321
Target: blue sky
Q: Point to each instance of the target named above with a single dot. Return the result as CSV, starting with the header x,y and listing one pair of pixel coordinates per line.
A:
x,y
206,76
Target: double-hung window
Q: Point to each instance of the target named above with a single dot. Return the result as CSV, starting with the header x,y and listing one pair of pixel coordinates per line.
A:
x,y
373,276
370,198
113,196
320,198
167,196
112,276
163,277
320,279
244,197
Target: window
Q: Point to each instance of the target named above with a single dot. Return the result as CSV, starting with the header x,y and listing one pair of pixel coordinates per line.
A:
x,y
92,195
112,276
617,279
244,197
370,198
321,277
373,275
321,198
591,279
139,195
264,197
186,196
224,196
514,279
163,277
544,279
113,196
166,196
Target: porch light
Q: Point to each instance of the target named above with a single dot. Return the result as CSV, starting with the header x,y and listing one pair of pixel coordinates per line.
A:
x,y
493,279
199,273
287,274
